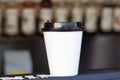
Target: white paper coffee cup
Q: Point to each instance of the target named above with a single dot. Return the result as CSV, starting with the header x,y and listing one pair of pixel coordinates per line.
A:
x,y
63,51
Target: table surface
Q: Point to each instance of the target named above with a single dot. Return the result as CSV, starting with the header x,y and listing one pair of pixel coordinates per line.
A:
x,y
101,75
89,76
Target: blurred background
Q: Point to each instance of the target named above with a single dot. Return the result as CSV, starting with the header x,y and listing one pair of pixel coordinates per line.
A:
x,y
22,49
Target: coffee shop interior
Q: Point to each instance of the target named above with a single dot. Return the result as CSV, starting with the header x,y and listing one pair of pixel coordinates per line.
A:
x,y
22,46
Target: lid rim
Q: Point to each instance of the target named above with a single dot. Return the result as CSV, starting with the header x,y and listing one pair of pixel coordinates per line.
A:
x,y
63,26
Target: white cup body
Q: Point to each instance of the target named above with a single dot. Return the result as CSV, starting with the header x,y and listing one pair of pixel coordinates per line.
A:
x,y
63,52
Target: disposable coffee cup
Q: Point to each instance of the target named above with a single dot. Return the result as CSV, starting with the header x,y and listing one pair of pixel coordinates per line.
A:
x,y
63,45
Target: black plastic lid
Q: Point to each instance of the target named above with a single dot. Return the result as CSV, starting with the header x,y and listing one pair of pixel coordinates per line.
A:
x,y
63,26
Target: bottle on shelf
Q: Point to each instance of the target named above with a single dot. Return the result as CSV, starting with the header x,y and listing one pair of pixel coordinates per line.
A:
x,y
61,12
85,1
11,25
91,17
1,17
54,1
106,17
28,22
100,1
46,13
77,11
116,16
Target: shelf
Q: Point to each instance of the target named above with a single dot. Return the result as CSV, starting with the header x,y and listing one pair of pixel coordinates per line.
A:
x,y
19,39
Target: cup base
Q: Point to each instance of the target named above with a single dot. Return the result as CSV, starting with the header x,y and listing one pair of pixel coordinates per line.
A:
x,y
63,75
